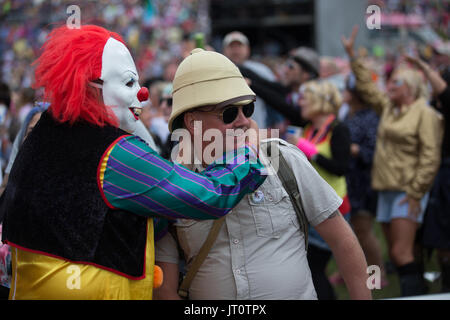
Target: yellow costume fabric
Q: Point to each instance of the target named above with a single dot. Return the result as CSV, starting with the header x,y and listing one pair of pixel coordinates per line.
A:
x,y
37,276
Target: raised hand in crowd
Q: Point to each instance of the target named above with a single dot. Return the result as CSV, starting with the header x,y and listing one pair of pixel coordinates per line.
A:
x,y
437,82
348,43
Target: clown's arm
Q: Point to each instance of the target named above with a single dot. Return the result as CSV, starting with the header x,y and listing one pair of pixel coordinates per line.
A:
x,y
135,178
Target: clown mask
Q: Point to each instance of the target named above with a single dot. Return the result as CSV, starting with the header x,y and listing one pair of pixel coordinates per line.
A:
x,y
121,90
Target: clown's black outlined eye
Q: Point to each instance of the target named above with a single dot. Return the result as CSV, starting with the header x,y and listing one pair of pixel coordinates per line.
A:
x,y
130,83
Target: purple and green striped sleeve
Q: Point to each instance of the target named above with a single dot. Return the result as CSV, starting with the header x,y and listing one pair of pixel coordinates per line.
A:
x,y
135,178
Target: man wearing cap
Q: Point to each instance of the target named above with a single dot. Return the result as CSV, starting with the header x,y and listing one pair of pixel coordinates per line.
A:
x,y
260,251
236,47
302,65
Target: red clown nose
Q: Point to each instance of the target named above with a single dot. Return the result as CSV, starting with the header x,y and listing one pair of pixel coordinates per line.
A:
x,y
142,94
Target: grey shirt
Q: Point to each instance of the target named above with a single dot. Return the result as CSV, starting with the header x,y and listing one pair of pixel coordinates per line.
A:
x,y
260,251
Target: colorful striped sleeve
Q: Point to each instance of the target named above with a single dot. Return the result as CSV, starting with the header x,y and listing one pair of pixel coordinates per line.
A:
x,y
135,178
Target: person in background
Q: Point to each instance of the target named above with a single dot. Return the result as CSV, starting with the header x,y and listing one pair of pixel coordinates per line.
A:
x,y
5,253
326,143
29,122
154,86
362,122
152,108
5,121
303,65
407,158
436,229
236,47
159,123
24,102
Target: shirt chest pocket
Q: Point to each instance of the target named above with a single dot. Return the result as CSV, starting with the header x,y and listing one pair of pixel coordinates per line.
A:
x,y
272,212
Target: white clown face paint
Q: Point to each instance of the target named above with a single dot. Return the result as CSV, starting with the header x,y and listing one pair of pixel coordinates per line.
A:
x,y
120,84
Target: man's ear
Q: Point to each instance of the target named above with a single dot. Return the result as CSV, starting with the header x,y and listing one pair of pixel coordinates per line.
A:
x,y
189,120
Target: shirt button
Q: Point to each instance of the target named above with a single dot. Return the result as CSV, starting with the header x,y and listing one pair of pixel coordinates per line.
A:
x,y
238,271
236,241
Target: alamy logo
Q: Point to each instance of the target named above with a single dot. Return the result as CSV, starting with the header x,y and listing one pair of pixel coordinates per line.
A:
x,y
74,20
74,280
374,280
373,21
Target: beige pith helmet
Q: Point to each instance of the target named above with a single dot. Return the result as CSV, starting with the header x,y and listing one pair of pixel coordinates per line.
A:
x,y
206,78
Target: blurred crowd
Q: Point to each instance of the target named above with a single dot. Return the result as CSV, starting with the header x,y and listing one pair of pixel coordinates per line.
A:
x,y
161,33
435,13
153,29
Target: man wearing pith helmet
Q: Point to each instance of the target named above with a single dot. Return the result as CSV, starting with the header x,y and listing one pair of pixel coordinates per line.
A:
x,y
206,83
259,252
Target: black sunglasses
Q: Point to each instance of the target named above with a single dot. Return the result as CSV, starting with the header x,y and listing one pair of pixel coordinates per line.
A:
x,y
291,64
229,114
169,101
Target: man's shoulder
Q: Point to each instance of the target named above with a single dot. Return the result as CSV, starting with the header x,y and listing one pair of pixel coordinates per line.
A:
x,y
284,146
318,197
296,160
293,155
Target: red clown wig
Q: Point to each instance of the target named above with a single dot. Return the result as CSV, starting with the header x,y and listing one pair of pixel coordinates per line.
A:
x,y
70,59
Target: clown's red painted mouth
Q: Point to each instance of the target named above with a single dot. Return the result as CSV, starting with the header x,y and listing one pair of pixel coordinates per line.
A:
x,y
136,112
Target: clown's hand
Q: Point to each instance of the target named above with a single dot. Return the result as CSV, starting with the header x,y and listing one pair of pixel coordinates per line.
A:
x,y
308,148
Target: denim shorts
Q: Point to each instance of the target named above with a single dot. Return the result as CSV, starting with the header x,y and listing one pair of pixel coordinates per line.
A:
x,y
388,206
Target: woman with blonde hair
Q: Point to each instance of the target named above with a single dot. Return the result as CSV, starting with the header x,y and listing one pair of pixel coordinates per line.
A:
x,y
407,158
326,143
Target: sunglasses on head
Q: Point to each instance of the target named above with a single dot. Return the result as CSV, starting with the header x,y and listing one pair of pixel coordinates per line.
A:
x,y
398,82
229,114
